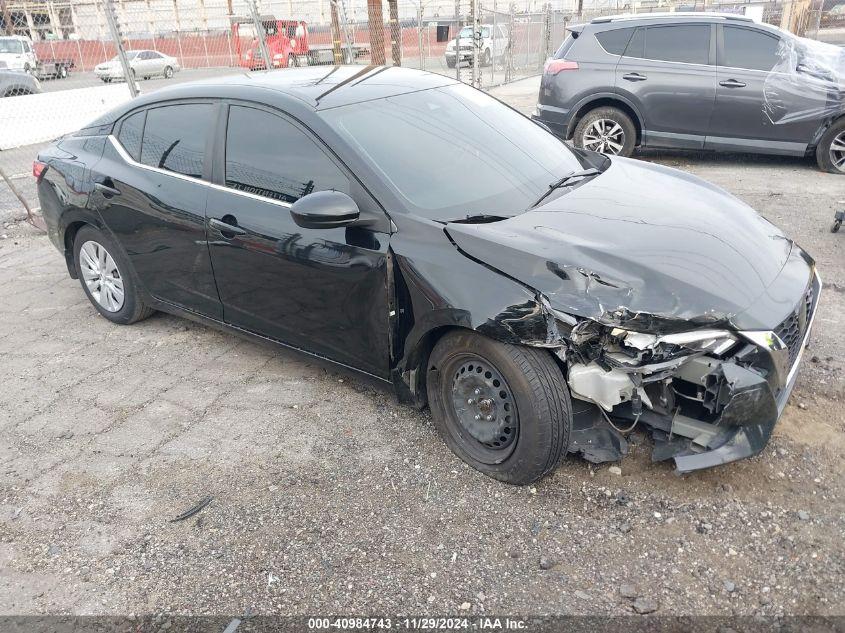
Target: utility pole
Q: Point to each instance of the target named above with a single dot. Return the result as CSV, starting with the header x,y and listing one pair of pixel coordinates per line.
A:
x,y
395,33
7,18
375,16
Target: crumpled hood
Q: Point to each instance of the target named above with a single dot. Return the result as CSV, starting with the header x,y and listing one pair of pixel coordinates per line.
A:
x,y
641,246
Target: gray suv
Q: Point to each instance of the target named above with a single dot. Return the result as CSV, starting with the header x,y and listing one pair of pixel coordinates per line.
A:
x,y
695,81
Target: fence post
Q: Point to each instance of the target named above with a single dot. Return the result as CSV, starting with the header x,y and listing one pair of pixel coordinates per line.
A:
x,y
337,53
476,39
547,33
114,28
458,40
259,31
509,50
344,24
420,34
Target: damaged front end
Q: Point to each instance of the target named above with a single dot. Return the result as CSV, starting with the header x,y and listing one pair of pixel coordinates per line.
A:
x,y
708,396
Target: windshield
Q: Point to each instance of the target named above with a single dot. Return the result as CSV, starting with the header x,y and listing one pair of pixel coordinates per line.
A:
x,y
454,152
129,55
466,32
11,46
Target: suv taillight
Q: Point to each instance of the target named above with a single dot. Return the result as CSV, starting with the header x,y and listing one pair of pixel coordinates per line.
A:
x,y
38,169
554,66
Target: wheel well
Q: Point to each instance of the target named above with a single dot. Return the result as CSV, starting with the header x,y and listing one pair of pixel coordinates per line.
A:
x,y
418,360
70,235
601,103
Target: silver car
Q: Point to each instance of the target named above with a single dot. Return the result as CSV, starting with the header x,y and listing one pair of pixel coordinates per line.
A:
x,y
143,64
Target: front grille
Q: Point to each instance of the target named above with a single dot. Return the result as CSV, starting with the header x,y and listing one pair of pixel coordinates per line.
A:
x,y
791,330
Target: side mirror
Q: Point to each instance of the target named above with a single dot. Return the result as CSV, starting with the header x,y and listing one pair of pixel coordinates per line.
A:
x,y
324,210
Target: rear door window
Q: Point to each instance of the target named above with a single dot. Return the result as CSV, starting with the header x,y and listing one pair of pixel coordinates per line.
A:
x,y
685,43
745,48
175,137
615,41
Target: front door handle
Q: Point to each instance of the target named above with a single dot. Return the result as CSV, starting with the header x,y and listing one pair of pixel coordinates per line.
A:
x,y
634,77
105,189
732,83
226,228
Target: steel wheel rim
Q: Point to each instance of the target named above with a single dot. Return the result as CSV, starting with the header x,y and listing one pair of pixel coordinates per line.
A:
x,y
605,136
101,276
837,151
484,409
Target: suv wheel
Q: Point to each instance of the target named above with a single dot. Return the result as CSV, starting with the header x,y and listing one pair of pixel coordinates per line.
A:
x,y
830,153
606,130
503,409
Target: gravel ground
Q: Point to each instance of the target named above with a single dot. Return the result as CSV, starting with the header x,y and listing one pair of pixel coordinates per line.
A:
x,y
330,497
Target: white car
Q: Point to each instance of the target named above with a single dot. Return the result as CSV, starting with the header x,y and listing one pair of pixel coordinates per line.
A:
x,y
491,41
143,64
16,53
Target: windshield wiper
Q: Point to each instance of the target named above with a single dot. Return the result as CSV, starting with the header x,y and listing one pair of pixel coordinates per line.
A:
x,y
584,173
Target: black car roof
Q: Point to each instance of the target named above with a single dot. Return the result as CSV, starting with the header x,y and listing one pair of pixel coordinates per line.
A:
x,y
314,87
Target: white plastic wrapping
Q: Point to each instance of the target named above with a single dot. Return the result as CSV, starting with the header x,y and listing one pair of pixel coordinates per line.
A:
x,y
807,83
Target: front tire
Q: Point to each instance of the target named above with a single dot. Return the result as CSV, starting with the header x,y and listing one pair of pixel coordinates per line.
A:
x,y
106,277
503,409
607,130
830,153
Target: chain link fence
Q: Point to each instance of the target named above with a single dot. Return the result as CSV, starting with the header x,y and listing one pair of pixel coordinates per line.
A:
x,y
64,62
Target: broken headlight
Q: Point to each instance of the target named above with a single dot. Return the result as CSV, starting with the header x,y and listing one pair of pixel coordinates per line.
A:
x,y
633,349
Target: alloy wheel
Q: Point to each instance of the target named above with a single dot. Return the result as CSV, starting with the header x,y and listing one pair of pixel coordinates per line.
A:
x,y
484,408
605,136
101,276
837,151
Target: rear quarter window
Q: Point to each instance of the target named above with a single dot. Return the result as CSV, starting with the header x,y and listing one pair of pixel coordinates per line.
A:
x,y
565,47
615,41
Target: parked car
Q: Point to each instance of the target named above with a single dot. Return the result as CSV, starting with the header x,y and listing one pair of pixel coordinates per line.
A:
x,y
143,64
491,41
692,81
16,53
537,302
15,83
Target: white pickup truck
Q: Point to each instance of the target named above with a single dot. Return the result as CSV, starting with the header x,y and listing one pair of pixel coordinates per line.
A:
x,y
491,41
17,53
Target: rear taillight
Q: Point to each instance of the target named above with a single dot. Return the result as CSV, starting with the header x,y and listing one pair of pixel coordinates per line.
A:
x,y
38,169
554,66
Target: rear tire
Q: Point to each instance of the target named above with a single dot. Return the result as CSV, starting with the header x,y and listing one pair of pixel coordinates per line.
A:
x,y
830,152
168,72
132,308
503,409
607,130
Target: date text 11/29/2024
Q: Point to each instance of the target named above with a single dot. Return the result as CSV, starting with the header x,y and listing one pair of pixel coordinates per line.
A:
x,y
490,623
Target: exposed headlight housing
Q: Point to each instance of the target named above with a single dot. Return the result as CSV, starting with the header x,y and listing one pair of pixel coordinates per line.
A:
x,y
636,348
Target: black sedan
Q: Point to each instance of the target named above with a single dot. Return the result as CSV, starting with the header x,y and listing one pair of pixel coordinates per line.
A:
x,y
538,299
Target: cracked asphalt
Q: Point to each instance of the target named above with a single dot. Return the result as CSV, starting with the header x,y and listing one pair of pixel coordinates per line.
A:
x,y
328,497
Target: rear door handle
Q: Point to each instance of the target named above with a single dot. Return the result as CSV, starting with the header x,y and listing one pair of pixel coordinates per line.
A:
x,y
634,77
106,190
226,228
732,83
